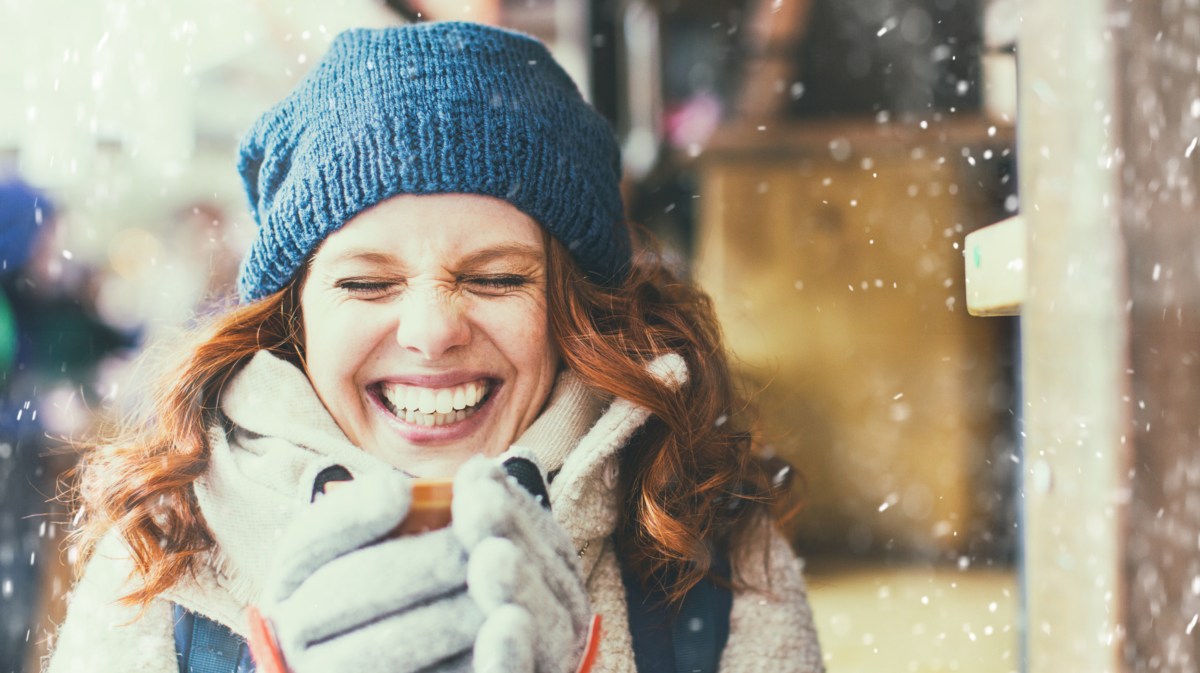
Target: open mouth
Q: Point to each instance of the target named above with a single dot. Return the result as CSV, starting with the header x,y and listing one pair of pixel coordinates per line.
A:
x,y
432,407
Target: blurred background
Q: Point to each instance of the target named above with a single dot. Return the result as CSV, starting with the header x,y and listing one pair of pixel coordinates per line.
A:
x,y
978,493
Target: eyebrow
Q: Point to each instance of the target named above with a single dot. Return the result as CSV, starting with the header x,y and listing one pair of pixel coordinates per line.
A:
x,y
528,252
367,256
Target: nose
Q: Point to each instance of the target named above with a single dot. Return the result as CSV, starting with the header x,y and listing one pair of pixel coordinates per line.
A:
x,y
431,323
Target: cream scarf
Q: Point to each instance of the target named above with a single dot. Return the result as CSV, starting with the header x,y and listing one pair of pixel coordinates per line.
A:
x,y
280,437
261,472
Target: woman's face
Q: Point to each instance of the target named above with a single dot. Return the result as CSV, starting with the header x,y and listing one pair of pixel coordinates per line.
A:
x,y
425,328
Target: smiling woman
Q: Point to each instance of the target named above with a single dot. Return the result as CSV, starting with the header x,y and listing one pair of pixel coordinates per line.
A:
x,y
443,285
434,346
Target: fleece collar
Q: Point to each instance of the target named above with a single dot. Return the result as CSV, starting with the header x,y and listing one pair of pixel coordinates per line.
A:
x,y
279,436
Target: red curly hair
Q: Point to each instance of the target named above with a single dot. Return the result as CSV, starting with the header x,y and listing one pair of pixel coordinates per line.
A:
x,y
690,482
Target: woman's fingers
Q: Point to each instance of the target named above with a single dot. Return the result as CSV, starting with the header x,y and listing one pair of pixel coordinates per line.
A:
x,y
435,635
494,573
493,504
500,577
360,512
505,642
388,578
492,507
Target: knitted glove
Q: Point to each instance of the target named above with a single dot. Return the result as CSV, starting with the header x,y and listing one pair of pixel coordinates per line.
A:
x,y
346,596
522,573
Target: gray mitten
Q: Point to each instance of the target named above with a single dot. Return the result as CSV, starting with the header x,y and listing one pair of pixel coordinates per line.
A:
x,y
522,573
346,597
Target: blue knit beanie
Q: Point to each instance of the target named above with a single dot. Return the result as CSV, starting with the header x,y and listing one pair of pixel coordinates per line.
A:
x,y
23,210
431,108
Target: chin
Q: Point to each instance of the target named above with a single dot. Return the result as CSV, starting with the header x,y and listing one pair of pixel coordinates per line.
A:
x,y
428,462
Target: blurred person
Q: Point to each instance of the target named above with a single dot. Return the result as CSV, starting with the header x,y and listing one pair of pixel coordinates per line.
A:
x,y
49,338
443,285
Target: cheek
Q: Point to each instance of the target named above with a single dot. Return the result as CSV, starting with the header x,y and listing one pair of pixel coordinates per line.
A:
x,y
524,338
336,343
321,360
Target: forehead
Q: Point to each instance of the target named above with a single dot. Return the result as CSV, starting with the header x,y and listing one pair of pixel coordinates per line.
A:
x,y
434,227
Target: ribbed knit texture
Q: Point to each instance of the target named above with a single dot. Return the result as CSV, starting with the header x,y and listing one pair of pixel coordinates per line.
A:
x,y
431,108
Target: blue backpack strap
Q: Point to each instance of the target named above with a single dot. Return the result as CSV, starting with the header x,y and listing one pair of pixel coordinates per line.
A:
x,y
205,646
701,628
649,625
688,640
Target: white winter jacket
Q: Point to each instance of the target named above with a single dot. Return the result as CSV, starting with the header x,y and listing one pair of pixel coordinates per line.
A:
x,y
285,436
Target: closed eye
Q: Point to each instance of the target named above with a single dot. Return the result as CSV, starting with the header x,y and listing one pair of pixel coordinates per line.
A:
x,y
495,284
368,288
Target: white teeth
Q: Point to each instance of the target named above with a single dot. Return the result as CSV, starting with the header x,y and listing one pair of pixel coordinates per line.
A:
x,y
428,401
447,419
430,407
435,419
445,401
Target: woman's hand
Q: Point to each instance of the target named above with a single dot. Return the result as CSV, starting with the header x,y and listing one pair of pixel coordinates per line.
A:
x,y
344,596
496,591
522,573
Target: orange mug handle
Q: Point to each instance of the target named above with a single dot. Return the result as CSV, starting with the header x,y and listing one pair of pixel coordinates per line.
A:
x,y
591,648
264,648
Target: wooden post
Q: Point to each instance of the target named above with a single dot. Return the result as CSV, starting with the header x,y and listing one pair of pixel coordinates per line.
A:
x,y
1074,338
1159,87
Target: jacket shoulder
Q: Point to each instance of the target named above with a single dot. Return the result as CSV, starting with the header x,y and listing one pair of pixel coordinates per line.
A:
x,y
771,624
101,634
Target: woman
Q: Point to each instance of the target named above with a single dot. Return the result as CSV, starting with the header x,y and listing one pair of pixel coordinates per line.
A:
x,y
442,284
